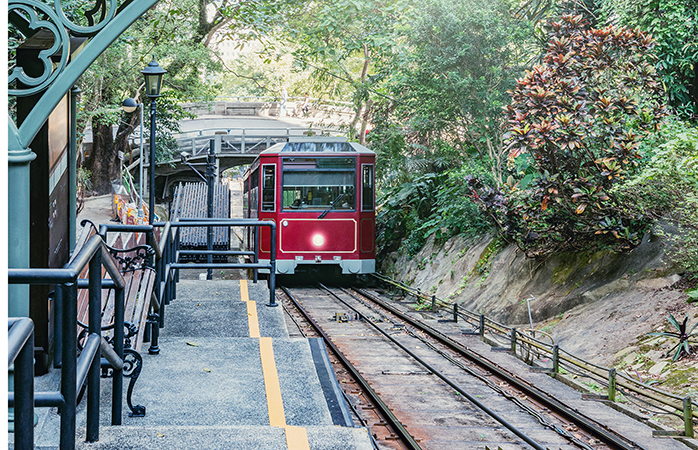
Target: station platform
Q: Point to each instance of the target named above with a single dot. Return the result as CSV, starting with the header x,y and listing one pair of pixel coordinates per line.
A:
x,y
227,377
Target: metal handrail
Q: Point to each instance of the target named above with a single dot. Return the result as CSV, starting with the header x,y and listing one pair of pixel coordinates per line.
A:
x,y
20,352
167,255
76,369
686,406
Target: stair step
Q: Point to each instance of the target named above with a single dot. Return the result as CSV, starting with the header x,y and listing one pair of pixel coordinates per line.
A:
x,y
223,438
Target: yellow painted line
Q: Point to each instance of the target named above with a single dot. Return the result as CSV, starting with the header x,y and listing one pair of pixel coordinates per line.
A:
x,y
244,295
271,384
252,319
297,438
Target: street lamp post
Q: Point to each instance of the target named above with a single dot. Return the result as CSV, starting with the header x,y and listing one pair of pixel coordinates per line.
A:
x,y
129,105
153,82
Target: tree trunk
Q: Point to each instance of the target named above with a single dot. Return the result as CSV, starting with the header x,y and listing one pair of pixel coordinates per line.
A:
x,y
103,161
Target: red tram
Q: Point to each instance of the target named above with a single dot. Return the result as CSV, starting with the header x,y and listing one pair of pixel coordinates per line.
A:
x,y
320,193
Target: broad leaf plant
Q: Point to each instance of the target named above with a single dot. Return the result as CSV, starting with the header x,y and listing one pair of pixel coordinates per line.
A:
x,y
575,124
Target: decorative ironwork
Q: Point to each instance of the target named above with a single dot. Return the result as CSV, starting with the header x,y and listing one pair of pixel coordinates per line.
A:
x,y
136,258
133,364
84,222
130,331
30,16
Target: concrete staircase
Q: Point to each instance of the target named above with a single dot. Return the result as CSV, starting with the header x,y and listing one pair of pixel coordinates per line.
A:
x,y
229,377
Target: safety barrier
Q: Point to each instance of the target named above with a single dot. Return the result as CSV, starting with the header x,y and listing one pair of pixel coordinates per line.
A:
x,y
76,370
168,257
20,352
619,387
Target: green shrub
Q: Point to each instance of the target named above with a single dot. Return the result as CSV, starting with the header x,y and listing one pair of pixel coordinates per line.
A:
x,y
667,188
438,204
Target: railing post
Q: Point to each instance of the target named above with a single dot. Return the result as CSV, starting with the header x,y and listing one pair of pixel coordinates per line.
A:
x,y
242,141
94,327
482,325
58,327
556,360
69,365
154,348
210,168
272,263
612,384
24,394
513,340
688,417
118,380
256,252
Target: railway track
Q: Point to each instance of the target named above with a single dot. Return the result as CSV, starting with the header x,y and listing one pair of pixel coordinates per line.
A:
x,y
416,387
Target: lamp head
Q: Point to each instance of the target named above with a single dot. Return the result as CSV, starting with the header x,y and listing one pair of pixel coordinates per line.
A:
x,y
153,78
129,105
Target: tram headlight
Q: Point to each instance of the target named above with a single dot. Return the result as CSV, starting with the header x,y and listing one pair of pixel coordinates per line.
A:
x,y
318,240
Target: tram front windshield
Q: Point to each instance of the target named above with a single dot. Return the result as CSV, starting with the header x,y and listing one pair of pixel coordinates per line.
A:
x,y
318,183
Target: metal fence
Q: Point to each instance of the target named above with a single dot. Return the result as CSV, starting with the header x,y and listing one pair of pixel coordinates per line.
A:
x,y
76,370
611,385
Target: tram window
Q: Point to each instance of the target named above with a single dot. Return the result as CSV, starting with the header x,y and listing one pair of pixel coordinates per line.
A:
x,y
367,188
254,193
268,187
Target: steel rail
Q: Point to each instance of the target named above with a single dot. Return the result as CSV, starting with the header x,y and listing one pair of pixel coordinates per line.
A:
x,y
385,411
685,408
443,377
593,427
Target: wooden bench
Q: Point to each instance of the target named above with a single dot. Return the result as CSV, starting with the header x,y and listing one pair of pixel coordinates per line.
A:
x,y
136,264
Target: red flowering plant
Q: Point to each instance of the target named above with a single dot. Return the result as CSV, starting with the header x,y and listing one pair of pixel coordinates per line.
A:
x,y
576,121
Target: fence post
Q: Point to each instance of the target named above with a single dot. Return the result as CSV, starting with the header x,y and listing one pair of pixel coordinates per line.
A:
x,y
24,391
455,312
482,325
272,263
433,302
556,360
58,327
612,384
118,379
688,417
69,363
94,327
513,340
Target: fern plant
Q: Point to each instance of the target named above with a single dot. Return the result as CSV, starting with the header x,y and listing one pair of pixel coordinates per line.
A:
x,y
683,336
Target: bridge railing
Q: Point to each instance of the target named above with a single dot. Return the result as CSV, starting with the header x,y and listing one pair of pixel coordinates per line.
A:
x,y
239,141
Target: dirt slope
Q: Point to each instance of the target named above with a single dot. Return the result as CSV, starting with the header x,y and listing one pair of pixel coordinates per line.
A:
x,y
598,306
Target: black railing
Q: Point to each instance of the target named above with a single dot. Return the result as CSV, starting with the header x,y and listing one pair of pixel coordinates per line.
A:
x,y
75,370
20,352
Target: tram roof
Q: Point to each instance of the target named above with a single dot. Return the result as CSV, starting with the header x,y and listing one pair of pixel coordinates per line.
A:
x,y
318,145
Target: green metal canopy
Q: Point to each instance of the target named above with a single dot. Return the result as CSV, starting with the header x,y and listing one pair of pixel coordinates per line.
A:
x,y
106,21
